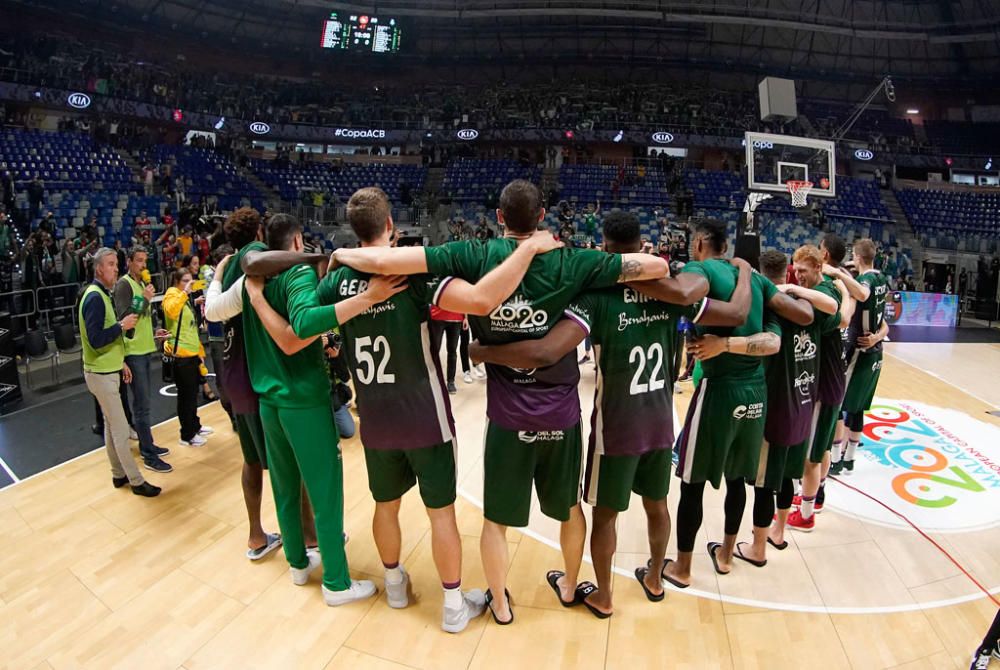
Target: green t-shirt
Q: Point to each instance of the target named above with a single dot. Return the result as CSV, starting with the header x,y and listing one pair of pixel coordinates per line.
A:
x,y
539,400
402,400
301,380
634,341
722,277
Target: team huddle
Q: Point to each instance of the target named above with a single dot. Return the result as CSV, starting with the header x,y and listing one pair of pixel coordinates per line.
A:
x,y
784,373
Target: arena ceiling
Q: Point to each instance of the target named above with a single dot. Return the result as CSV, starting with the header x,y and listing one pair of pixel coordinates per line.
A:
x,y
929,41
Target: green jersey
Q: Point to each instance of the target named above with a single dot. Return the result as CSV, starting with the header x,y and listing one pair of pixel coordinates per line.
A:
x,y
302,380
722,277
832,382
869,315
634,344
793,382
536,400
402,398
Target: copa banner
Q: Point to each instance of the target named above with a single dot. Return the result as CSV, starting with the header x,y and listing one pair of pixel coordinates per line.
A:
x,y
938,467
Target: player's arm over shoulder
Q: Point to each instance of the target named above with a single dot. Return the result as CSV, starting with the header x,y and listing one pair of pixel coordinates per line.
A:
x,y
549,350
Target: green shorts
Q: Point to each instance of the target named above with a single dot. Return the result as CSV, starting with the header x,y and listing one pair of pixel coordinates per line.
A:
x,y
611,480
825,419
778,463
393,472
723,431
863,370
251,432
553,460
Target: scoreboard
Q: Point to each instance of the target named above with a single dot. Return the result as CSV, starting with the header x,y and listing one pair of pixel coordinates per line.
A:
x,y
360,32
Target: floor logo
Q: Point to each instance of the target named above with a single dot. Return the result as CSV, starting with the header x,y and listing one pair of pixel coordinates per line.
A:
x,y
938,467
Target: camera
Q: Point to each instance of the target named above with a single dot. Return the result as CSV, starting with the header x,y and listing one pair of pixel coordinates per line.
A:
x,y
332,340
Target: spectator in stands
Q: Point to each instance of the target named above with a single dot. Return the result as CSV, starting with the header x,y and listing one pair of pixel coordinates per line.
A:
x,y
201,248
8,240
122,259
185,241
9,189
72,263
142,221
566,232
36,193
48,223
590,220
103,362
167,220
90,229
148,175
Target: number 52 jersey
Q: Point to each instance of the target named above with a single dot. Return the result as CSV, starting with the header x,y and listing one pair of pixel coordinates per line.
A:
x,y
635,339
402,400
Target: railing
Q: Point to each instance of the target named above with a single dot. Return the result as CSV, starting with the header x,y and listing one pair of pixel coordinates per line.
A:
x,y
15,303
48,295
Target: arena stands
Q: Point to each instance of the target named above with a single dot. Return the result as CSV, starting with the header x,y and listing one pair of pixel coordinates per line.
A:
x,y
339,180
953,220
206,173
963,137
472,179
634,184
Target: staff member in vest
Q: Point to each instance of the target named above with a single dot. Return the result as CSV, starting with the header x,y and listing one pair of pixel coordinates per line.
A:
x,y
103,362
132,296
187,357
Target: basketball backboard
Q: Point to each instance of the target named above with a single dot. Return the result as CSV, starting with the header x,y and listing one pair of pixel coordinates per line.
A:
x,y
774,160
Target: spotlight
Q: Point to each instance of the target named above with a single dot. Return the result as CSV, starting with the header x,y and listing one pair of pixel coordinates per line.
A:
x,y
569,134
618,137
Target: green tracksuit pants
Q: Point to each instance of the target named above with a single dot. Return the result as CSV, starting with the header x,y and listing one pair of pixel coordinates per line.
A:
x,y
302,444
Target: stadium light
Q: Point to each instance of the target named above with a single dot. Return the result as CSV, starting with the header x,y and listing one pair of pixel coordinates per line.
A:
x,y
913,110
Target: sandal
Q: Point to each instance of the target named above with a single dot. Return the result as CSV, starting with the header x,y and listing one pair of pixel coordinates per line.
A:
x,y
712,548
664,575
272,543
779,547
752,561
583,590
552,577
510,604
640,574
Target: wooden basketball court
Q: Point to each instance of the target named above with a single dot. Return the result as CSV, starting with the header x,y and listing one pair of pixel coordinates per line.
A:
x,y
95,577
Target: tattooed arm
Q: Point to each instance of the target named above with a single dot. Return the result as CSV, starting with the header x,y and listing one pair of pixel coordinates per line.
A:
x,y
640,267
710,346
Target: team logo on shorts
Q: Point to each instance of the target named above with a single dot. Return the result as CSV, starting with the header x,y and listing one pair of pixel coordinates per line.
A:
x,y
876,366
753,411
938,467
529,436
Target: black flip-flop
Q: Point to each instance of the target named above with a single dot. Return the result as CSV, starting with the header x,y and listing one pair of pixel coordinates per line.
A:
x,y
510,605
583,590
752,561
640,574
552,577
779,547
664,575
712,547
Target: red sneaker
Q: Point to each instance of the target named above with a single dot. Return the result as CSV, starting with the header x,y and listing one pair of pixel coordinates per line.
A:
x,y
796,521
797,502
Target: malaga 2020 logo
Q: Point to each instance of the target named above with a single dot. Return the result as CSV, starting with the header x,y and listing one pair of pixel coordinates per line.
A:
x,y
938,467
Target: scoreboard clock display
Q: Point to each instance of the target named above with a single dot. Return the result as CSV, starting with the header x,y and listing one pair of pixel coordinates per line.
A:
x,y
360,32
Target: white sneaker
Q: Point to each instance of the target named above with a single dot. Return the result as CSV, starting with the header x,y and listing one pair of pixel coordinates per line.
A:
x,y
467,377
473,605
206,430
398,595
301,575
132,435
479,371
195,441
359,590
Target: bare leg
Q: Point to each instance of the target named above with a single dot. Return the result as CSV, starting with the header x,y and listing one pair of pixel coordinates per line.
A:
x,y
446,544
603,542
493,548
658,530
308,522
385,529
572,537
252,479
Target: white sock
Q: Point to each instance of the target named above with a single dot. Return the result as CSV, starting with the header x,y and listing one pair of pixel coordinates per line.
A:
x,y
852,447
835,453
806,509
394,575
453,598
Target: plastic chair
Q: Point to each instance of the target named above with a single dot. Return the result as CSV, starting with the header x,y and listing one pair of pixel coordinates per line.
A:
x,y
36,348
65,338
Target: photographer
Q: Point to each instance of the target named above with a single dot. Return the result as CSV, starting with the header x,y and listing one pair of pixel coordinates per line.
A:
x,y
340,392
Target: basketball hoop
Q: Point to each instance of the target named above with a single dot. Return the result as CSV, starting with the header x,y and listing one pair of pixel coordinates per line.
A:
x,y
799,191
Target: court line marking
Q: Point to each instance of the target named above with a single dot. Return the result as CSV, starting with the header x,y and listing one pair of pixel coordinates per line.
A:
x,y
760,604
10,472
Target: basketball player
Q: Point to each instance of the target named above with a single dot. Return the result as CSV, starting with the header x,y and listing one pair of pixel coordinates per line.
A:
x,y
533,433
243,230
989,647
863,347
406,423
725,422
832,384
792,383
631,437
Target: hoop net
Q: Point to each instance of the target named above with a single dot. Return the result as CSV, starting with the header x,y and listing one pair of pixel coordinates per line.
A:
x,y
799,191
